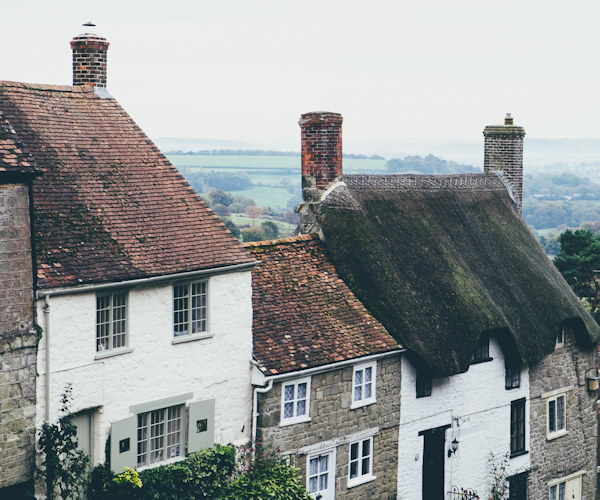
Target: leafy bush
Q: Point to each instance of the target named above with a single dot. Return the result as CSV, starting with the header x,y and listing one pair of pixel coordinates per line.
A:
x,y
221,210
271,230
202,475
233,228
236,208
254,234
263,473
64,466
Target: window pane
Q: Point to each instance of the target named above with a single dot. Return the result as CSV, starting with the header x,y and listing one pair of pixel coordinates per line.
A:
x,y
354,451
358,377
367,374
301,408
118,324
288,410
561,491
366,447
288,393
324,463
313,467
358,393
323,482
553,493
552,416
367,391
142,439
102,323
198,307
365,466
312,484
180,310
302,391
157,436
174,432
560,413
353,469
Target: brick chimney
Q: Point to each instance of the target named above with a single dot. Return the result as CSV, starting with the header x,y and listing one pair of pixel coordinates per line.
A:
x,y
321,162
89,60
504,156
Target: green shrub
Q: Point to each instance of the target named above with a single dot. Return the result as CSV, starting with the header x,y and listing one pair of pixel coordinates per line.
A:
x,y
254,234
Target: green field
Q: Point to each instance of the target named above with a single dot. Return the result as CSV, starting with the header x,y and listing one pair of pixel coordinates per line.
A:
x,y
271,193
285,229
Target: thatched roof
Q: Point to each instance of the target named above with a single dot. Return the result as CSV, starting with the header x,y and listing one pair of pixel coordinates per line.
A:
x,y
440,259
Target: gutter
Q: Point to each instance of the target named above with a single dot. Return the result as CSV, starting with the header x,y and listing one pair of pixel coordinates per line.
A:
x,y
259,377
144,281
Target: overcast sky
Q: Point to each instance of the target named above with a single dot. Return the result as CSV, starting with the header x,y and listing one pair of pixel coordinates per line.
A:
x,y
397,70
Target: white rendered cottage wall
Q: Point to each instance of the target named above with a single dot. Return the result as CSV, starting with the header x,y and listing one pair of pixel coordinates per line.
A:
x,y
217,367
477,406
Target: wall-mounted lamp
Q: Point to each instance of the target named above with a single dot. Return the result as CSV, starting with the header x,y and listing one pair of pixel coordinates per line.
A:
x,y
592,380
453,448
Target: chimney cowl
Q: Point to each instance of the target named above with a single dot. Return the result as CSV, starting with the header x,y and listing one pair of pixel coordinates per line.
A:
x,y
89,60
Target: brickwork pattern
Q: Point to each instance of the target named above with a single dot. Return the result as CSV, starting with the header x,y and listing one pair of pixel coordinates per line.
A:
x,y
321,147
504,152
575,451
89,60
332,418
18,340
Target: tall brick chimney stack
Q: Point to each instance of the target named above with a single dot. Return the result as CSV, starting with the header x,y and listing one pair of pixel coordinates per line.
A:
x,y
89,60
321,162
504,155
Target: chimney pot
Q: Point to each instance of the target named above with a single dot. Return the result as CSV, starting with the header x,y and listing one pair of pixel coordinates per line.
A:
x,y
508,120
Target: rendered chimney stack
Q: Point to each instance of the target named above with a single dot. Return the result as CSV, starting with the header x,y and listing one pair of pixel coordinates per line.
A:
x,y
504,155
89,60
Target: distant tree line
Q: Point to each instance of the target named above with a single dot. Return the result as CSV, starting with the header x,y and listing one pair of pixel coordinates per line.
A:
x,y
261,152
429,165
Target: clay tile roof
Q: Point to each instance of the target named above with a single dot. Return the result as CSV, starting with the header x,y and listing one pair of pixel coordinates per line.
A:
x,y
14,158
109,206
304,314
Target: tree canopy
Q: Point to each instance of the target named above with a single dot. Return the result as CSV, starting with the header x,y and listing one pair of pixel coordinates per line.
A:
x,y
578,259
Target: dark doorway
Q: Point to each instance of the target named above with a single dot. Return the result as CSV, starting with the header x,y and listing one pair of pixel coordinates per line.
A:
x,y
433,462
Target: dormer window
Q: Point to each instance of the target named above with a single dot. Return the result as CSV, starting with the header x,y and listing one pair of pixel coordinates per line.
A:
x,y
423,385
482,350
513,375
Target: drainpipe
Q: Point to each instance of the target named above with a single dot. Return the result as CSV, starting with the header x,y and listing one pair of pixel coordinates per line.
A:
x,y
262,390
47,347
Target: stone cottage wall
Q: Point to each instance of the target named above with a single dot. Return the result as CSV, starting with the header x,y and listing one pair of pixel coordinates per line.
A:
x,y
333,419
575,451
18,339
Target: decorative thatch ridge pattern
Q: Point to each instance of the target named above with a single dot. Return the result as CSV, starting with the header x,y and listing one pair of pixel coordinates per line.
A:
x,y
440,259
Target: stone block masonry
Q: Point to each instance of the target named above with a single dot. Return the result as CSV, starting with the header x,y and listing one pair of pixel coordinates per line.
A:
x,y
503,153
18,339
574,451
333,422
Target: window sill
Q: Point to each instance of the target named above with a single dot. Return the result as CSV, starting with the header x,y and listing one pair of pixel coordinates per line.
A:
x,y
511,388
191,338
519,453
113,352
364,402
292,421
357,482
482,360
556,435
158,464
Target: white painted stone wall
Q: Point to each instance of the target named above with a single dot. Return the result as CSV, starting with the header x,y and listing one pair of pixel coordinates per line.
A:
x,y
218,367
477,406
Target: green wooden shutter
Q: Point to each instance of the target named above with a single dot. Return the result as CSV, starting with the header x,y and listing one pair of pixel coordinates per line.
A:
x,y
201,425
123,444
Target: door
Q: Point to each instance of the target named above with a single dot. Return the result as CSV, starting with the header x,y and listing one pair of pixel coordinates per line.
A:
x,y
83,422
321,475
434,447
573,489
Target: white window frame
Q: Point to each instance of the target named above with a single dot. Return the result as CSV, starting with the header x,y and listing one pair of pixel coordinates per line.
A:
x,y
554,396
361,478
187,335
166,431
357,403
564,480
111,351
296,419
331,452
